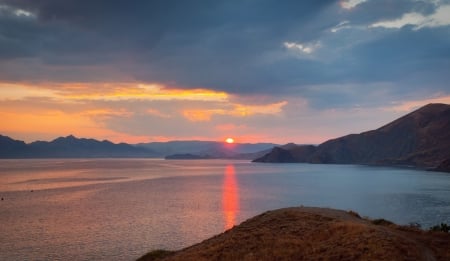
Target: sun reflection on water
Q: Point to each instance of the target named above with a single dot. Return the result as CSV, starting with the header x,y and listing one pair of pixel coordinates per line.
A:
x,y
230,197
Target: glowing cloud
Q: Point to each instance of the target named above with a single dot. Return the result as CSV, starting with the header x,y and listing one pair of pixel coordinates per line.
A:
x,y
10,91
153,92
53,123
302,48
200,115
349,4
440,18
74,92
340,26
16,11
157,113
237,110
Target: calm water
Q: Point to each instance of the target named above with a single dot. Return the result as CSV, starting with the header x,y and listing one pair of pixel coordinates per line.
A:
x,y
119,209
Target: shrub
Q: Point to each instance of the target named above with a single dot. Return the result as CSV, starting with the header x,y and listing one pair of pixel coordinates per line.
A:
x,y
442,227
353,213
382,222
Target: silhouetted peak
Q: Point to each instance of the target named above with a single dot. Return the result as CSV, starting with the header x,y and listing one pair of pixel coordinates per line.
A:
x,y
69,138
289,146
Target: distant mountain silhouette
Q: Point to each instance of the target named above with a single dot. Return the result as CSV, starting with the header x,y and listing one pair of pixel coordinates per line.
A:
x,y
420,138
208,149
69,147
10,148
72,147
187,156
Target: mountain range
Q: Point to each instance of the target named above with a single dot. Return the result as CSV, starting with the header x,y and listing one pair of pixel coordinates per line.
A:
x,y
73,147
419,139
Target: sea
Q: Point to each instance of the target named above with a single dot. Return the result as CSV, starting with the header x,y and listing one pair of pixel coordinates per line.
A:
x,y
119,209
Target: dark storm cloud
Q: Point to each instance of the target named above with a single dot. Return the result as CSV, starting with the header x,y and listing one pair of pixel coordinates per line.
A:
x,y
235,46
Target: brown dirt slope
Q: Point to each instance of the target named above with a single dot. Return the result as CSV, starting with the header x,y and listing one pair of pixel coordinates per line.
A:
x,y
316,234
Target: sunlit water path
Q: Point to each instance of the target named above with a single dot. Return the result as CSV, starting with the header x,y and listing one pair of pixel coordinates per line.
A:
x,y
118,209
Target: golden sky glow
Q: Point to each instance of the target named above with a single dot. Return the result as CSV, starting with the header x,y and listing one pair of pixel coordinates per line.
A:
x,y
97,109
108,91
135,112
236,110
154,80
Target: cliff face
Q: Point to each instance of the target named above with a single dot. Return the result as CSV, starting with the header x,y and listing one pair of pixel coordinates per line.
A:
x,y
420,138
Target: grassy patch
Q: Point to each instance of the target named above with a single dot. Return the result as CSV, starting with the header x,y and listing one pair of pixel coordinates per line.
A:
x,y
155,255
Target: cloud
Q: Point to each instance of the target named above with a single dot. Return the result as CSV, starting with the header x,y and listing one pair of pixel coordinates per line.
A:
x,y
234,110
145,68
74,92
349,4
6,10
157,113
302,48
439,18
342,25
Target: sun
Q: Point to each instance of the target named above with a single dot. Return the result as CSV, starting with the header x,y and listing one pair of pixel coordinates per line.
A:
x,y
229,140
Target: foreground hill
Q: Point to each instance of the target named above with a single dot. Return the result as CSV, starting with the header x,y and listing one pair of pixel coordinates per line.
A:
x,y
315,234
420,138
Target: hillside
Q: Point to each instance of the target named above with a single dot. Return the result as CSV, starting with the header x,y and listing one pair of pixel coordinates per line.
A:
x,y
304,233
420,138
69,147
73,147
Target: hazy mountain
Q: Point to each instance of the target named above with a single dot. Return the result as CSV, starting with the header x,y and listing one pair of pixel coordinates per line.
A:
x,y
72,147
420,138
211,149
10,148
69,147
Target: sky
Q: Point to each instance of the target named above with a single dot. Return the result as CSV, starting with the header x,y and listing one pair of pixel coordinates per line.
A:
x,y
255,70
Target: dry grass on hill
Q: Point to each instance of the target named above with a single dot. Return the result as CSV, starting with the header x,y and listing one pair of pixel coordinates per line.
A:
x,y
315,234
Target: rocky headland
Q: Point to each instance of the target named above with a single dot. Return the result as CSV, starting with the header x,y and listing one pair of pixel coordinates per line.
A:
x,y
419,139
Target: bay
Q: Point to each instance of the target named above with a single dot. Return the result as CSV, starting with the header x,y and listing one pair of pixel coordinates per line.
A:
x,y
119,209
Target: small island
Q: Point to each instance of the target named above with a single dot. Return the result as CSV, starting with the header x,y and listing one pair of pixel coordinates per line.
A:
x,y
187,156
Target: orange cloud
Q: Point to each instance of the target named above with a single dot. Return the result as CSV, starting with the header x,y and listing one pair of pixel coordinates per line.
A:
x,y
157,113
52,123
108,92
237,110
107,113
226,127
199,115
12,91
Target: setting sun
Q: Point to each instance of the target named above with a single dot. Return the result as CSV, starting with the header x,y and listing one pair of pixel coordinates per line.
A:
x,y
229,140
